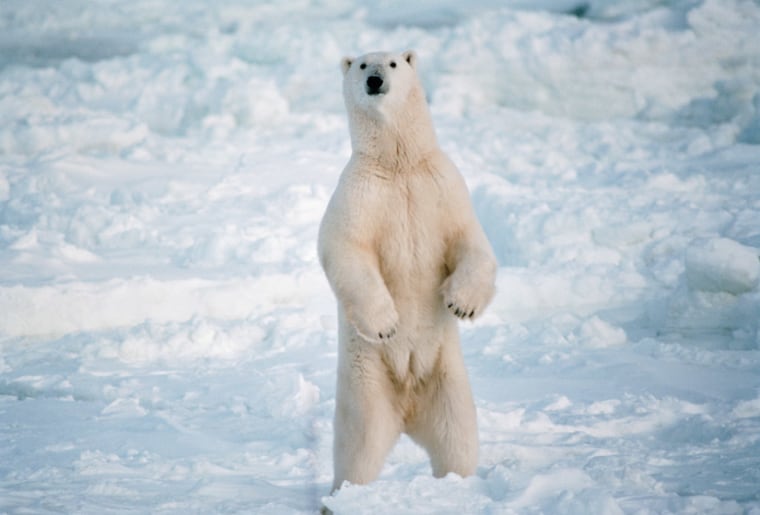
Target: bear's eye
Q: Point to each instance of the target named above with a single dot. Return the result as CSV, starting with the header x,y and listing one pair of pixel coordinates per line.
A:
x,y
393,64
363,66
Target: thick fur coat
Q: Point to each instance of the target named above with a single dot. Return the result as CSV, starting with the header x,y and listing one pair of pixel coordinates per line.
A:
x,y
405,256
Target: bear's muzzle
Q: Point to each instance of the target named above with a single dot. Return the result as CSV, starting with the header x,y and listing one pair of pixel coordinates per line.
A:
x,y
375,85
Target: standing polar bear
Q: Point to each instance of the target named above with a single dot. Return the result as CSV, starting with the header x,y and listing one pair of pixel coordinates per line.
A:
x,y
405,256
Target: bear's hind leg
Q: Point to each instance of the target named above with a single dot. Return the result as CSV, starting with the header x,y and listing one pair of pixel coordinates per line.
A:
x,y
446,425
366,427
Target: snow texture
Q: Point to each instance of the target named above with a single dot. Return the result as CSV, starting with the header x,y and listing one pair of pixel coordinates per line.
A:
x,y
168,340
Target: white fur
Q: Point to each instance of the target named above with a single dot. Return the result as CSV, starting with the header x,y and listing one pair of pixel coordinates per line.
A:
x,y
405,255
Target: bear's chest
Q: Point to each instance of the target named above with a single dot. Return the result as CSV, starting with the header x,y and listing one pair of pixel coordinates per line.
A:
x,y
411,232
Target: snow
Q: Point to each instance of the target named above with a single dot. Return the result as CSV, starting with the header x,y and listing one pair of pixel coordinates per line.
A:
x,y
168,340
721,264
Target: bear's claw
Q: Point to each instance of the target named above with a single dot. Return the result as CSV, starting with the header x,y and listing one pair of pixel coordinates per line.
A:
x,y
462,313
387,335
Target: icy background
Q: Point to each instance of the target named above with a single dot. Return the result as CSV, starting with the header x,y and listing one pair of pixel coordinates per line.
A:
x,y
167,338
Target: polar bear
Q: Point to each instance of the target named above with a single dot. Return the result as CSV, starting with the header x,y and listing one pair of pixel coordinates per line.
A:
x,y
405,257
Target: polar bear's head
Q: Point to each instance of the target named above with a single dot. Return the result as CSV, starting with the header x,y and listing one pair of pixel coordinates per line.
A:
x,y
379,81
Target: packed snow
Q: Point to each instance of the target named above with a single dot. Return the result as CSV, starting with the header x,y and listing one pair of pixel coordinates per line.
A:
x,y
168,339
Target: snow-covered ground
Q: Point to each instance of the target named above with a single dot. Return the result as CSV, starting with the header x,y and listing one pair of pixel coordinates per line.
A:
x,y
167,338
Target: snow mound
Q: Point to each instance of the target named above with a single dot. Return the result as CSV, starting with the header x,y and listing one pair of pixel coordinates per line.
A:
x,y
595,332
721,264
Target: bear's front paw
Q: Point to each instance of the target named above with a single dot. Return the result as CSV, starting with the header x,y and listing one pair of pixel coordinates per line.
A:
x,y
379,326
461,312
464,300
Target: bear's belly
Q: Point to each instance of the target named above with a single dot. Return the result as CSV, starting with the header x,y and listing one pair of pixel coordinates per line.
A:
x,y
409,368
412,356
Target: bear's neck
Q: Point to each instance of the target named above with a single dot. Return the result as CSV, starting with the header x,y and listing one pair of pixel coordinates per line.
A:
x,y
398,143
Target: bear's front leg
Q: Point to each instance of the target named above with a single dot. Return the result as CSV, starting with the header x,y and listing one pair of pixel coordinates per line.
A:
x,y
470,287
360,289
373,314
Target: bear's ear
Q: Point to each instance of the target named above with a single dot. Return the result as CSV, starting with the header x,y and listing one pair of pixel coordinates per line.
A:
x,y
410,56
345,64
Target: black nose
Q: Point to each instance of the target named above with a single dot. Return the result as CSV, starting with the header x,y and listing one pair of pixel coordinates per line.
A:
x,y
374,83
